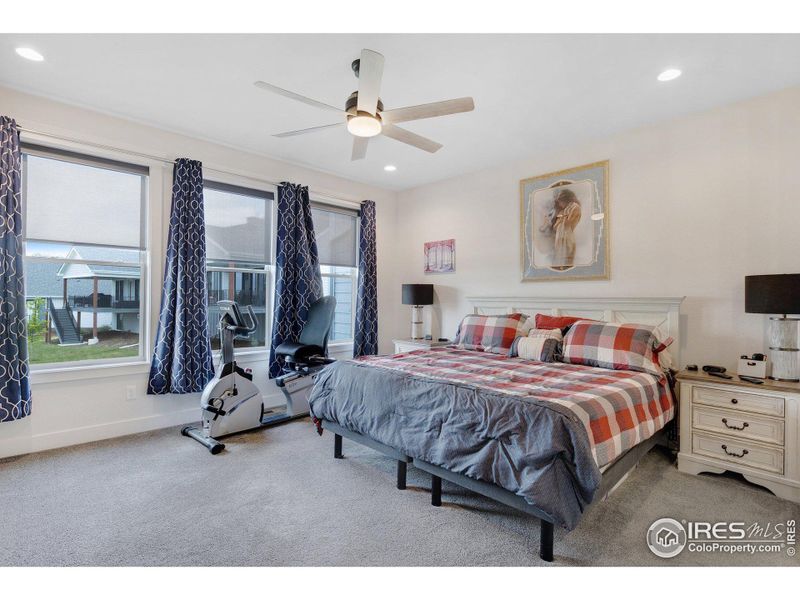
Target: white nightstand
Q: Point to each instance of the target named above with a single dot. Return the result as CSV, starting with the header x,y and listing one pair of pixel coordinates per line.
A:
x,y
408,345
731,425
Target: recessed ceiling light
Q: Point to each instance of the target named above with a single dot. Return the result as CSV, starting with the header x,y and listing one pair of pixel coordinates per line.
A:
x,y
30,54
390,168
669,74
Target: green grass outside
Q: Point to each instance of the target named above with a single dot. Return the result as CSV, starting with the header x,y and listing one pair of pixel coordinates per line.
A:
x,y
40,352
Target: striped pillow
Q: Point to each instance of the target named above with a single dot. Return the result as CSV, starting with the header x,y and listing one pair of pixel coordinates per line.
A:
x,y
620,346
490,333
542,345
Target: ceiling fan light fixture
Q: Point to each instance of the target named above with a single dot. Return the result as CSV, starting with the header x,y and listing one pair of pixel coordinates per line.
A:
x,y
364,125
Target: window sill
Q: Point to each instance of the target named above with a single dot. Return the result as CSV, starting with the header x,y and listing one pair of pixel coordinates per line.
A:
x,y
59,374
52,374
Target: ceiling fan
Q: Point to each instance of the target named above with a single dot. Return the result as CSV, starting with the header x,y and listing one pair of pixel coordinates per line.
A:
x,y
364,113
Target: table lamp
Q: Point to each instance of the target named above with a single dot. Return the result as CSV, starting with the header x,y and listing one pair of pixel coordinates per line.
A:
x,y
777,295
417,295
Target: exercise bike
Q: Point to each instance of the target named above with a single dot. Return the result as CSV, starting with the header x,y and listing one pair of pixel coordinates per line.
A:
x,y
231,402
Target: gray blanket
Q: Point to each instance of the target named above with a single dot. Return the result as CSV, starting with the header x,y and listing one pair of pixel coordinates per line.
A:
x,y
529,446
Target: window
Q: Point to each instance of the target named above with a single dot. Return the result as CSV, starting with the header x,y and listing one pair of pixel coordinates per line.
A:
x,y
84,256
238,254
336,230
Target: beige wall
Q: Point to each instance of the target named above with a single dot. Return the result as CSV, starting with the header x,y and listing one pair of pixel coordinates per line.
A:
x,y
77,407
696,204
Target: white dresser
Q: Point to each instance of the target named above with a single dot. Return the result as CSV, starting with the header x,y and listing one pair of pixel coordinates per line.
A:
x,y
731,425
407,345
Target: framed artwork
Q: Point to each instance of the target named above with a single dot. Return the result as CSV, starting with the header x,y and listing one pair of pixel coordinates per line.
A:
x,y
440,257
564,224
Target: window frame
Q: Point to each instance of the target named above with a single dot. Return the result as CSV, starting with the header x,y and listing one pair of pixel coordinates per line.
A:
x,y
248,187
353,277
87,155
322,203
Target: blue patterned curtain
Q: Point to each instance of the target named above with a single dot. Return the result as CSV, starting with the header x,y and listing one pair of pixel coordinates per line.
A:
x,y
15,391
182,360
366,338
298,281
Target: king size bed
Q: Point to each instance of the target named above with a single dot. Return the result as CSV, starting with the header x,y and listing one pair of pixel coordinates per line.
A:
x,y
546,438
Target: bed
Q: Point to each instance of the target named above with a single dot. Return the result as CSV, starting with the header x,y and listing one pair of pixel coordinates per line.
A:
x,y
544,438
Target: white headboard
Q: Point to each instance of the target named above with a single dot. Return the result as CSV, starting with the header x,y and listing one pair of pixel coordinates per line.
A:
x,y
663,313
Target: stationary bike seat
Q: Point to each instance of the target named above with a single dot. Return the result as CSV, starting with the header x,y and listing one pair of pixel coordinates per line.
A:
x,y
297,352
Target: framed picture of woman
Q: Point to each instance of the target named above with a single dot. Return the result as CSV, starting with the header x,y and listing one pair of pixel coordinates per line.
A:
x,y
564,224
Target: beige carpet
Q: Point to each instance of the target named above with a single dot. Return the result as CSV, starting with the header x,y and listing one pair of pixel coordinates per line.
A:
x,y
277,497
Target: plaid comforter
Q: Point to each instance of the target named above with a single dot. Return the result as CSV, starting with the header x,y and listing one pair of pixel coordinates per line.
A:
x,y
539,430
619,409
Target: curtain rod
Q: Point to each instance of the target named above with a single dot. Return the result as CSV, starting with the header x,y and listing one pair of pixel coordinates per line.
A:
x,y
167,161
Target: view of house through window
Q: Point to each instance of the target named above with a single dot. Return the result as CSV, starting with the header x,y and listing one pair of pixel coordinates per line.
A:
x,y
84,250
238,254
239,234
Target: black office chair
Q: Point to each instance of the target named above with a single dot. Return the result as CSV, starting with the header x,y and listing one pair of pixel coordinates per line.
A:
x,y
312,347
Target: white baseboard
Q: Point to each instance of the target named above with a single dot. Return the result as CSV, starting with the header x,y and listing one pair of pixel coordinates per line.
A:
x,y
93,433
103,431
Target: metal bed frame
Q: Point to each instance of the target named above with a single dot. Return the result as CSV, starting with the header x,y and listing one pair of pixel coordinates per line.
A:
x,y
340,432
661,312
611,477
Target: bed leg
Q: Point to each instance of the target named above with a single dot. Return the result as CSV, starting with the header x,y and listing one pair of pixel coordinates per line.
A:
x,y
401,474
436,490
546,541
337,446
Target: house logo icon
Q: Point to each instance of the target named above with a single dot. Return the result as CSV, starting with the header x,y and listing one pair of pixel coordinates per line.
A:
x,y
666,538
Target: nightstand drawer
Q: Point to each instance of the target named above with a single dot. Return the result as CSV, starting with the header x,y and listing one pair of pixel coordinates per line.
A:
x,y
738,452
736,400
738,424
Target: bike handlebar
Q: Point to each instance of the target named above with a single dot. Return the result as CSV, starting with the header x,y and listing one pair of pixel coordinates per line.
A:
x,y
251,316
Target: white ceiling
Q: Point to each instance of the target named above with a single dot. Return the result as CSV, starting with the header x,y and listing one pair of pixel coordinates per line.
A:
x,y
531,91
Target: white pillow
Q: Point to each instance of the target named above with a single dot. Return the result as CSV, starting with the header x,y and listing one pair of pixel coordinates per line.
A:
x,y
539,345
555,334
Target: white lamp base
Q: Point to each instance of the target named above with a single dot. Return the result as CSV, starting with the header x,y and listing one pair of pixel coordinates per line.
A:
x,y
783,351
417,332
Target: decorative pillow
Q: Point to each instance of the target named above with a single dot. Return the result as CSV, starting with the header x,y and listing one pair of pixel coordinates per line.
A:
x,y
490,333
542,345
562,322
622,346
665,360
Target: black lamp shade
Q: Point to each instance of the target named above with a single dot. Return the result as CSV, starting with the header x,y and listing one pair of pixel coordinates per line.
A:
x,y
418,294
772,294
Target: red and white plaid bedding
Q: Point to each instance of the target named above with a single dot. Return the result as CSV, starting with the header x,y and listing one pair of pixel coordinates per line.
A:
x,y
619,409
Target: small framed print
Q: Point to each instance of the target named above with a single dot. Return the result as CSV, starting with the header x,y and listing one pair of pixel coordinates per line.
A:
x,y
440,257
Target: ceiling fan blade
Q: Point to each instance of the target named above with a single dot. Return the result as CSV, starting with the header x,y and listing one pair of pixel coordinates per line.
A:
x,y
308,130
287,94
359,147
370,73
426,111
407,137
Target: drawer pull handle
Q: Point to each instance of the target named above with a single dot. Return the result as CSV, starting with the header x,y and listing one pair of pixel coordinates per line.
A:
x,y
725,448
725,422
734,401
